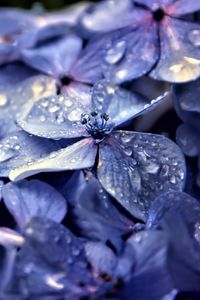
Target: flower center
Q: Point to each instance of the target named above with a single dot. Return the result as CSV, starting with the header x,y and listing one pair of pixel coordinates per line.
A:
x,y
97,125
158,15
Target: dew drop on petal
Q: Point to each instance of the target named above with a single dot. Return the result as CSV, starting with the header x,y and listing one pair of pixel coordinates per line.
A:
x,y
115,53
197,232
75,115
172,179
3,100
194,37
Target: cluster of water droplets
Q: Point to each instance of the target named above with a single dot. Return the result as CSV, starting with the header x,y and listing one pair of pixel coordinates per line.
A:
x,y
9,148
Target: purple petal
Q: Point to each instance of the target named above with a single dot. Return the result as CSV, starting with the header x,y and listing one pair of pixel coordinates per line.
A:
x,y
188,139
57,116
28,199
19,148
183,7
14,35
120,104
187,206
15,73
154,5
97,218
150,279
101,258
108,15
186,102
180,55
122,55
53,260
77,156
137,167
13,97
55,58
184,258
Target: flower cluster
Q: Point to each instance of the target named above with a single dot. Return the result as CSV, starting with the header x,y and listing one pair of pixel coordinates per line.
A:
x,y
98,199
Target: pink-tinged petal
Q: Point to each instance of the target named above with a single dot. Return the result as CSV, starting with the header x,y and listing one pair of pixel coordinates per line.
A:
x,y
54,59
180,53
155,4
121,55
108,15
77,156
182,7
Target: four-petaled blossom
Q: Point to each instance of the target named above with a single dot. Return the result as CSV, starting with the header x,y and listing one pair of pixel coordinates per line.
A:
x,y
133,167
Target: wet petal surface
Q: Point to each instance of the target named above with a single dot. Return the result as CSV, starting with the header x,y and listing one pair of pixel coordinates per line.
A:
x,y
136,167
13,97
180,56
121,55
28,199
57,116
19,148
77,156
56,58
120,104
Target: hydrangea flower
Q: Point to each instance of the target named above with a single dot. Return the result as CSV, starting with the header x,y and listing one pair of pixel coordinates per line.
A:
x,y
135,37
133,167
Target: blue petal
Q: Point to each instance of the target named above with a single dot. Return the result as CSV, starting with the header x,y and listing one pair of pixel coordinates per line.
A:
x,y
53,260
101,258
27,199
77,156
13,97
54,58
188,139
186,102
187,206
108,15
184,258
98,218
120,104
121,55
180,56
153,5
136,167
150,279
183,7
14,73
14,34
57,116
19,148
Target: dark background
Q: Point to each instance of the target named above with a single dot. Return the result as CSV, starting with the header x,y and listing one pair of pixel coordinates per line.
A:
x,y
48,4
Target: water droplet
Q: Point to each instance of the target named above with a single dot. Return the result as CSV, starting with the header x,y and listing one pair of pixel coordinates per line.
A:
x,y
172,179
54,108
16,147
68,103
138,238
164,170
115,54
42,118
75,115
6,154
3,100
194,37
197,232
181,174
